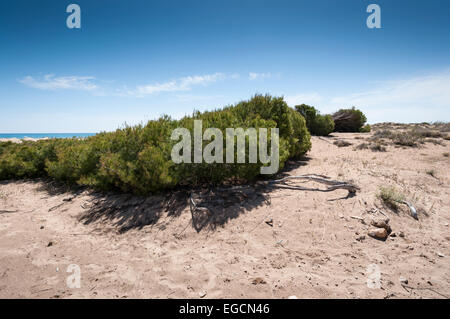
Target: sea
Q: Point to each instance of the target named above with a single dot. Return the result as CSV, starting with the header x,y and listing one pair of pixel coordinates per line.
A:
x,y
43,135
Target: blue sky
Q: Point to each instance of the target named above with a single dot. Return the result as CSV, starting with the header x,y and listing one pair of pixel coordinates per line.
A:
x,y
132,61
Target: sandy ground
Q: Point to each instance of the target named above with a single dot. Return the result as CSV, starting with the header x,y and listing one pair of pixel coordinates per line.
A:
x,y
129,247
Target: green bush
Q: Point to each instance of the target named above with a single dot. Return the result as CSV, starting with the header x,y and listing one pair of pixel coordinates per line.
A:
x,y
26,160
317,124
365,129
349,120
137,159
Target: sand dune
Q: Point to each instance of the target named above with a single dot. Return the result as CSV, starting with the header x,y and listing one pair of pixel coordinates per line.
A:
x,y
316,245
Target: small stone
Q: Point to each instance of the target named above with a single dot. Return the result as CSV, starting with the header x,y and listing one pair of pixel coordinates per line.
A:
x,y
202,294
42,227
269,222
292,297
258,280
403,280
440,254
378,233
382,223
402,234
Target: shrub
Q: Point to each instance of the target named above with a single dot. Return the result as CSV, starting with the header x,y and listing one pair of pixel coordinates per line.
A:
x,y
349,120
390,197
342,143
374,146
137,158
26,160
423,132
402,138
365,129
317,124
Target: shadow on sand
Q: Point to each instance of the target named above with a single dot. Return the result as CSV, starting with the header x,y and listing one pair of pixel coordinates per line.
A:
x,y
216,205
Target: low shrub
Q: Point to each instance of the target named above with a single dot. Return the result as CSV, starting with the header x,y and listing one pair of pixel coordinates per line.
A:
x,y
390,197
365,129
373,146
342,143
349,120
321,125
423,132
137,159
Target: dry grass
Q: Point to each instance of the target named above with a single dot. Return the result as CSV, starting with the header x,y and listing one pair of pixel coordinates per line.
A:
x,y
425,132
442,126
342,143
434,141
374,146
412,136
390,196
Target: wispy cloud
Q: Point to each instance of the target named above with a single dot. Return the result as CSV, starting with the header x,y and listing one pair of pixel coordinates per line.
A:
x,y
306,98
423,91
50,82
259,76
414,99
182,84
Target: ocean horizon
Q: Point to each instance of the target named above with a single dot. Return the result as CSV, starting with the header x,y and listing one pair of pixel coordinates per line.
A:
x,y
44,135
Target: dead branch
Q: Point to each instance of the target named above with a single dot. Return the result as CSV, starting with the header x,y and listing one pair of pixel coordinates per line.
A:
x,y
8,211
56,207
324,139
320,179
411,208
223,196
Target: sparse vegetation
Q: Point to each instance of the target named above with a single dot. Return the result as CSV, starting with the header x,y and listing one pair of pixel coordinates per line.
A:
x,y
374,146
342,143
403,138
406,139
424,132
317,124
390,196
442,126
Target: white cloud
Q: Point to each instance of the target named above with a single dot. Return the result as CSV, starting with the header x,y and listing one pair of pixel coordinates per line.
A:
x,y
415,99
50,82
424,91
182,84
307,98
258,76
